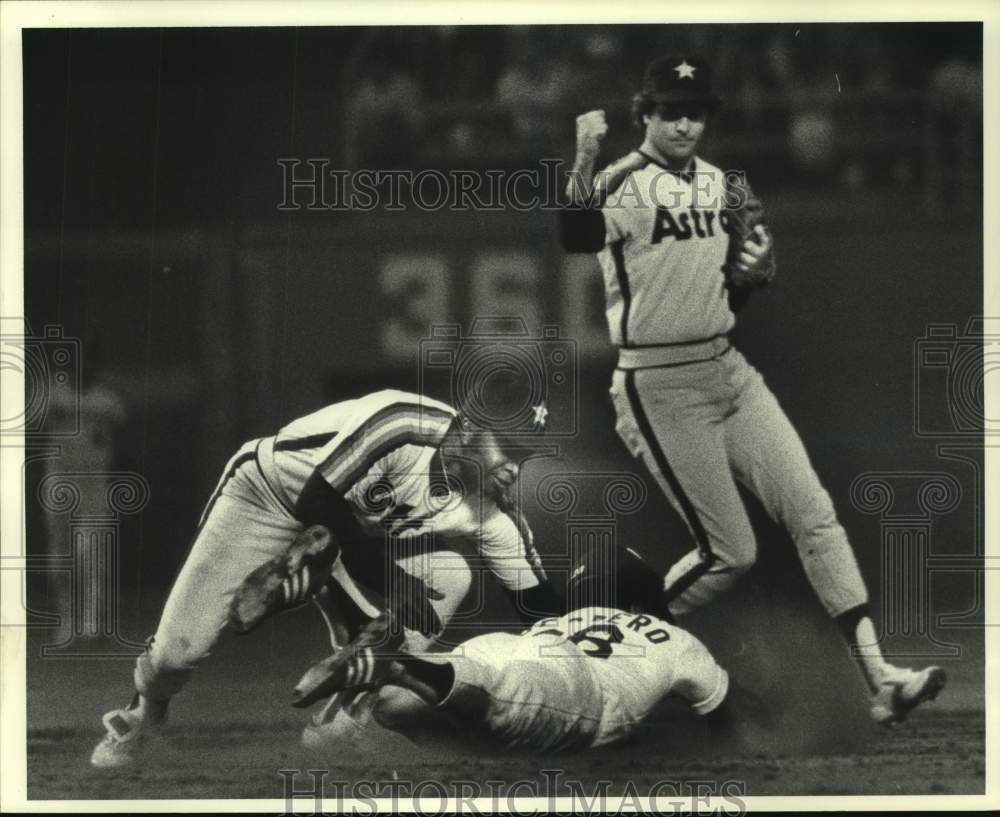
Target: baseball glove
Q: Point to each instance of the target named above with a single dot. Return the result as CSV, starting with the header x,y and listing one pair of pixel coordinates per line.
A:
x,y
744,212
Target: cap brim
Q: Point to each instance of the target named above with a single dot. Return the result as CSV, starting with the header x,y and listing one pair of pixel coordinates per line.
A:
x,y
708,100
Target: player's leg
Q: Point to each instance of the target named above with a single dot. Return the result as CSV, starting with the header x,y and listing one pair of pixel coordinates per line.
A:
x,y
768,456
671,419
524,691
445,572
237,535
348,606
236,539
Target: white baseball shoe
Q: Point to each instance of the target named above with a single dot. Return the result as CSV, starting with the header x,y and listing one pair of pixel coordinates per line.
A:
x,y
902,689
351,726
286,581
129,731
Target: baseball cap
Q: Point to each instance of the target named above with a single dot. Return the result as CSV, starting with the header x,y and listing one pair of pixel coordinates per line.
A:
x,y
681,78
496,390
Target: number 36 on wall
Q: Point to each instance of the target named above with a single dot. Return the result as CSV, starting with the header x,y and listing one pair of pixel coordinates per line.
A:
x,y
423,289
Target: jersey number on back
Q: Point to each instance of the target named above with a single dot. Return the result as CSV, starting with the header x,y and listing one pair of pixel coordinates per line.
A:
x,y
598,640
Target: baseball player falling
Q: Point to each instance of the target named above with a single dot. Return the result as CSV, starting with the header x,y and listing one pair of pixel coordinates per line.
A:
x,y
301,514
688,404
582,680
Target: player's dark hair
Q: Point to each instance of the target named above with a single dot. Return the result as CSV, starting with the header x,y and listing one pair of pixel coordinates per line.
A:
x,y
642,106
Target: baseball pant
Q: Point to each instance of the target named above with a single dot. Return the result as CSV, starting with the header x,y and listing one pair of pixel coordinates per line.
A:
x,y
699,428
244,526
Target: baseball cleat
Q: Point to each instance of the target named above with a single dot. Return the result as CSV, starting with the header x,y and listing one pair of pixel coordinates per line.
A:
x,y
286,581
128,732
363,663
341,721
904,689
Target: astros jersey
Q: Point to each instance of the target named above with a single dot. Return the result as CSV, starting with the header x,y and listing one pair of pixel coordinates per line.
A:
x,y
665,244
378,451
381,453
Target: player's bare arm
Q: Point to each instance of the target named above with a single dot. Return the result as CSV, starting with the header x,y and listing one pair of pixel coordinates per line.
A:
x,y
591,128
581,222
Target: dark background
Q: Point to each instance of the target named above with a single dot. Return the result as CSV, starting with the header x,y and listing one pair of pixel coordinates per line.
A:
x,y
153,232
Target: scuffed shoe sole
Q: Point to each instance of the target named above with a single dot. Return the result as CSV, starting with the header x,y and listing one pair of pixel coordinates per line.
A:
x,y
286,581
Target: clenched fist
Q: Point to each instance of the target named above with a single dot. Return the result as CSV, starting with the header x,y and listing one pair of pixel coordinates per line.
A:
x,y
591,128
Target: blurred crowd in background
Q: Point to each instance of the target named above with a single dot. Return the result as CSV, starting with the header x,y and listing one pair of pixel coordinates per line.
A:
x,y
863,106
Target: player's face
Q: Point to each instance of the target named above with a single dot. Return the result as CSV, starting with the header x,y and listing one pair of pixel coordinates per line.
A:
x,y
468,454
675,130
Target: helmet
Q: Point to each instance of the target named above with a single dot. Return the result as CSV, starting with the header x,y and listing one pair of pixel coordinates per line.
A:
x,y
617,577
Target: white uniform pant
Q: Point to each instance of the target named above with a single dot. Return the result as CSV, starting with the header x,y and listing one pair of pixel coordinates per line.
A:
x,y
244,526
701,427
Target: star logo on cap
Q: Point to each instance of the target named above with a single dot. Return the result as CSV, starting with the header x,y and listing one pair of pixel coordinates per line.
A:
x,y
684,71
541,413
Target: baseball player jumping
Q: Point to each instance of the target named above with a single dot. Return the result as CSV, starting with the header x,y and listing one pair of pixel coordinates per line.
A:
x,y
316,505
667,228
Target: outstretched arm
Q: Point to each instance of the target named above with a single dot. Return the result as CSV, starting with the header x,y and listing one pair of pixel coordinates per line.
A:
x,y
581,223
507,544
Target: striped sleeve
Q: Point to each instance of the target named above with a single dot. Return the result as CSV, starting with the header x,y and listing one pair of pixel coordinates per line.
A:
x,y
383,423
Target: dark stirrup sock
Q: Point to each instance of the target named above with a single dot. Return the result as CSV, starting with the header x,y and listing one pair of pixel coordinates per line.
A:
x,y
859,632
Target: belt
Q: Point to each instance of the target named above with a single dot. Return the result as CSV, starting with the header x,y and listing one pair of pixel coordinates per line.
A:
x,y
674,354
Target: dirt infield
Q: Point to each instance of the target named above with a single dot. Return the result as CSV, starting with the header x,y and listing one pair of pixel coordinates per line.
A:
x,y
937,753
233,731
